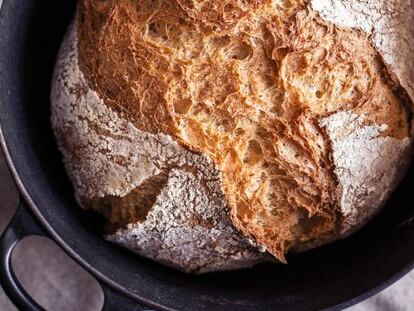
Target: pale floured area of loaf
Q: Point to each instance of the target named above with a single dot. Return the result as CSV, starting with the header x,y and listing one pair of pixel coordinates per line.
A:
x,y
254,85
185,229
108,156
367,165
160,199
387,22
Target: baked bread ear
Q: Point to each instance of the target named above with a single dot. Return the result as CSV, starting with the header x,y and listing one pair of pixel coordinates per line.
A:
x,y
292,123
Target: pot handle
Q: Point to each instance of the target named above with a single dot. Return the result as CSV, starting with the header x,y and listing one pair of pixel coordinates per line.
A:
x,y
22,225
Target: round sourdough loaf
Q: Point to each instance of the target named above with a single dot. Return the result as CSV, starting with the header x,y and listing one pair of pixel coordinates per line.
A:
x,y
196,127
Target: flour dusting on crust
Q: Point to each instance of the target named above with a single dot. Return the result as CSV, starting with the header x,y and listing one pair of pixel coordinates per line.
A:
x,y
183,227
368,166
188,226
389,24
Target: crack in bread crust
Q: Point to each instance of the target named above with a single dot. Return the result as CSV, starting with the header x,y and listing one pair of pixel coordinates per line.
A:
x,y
245,83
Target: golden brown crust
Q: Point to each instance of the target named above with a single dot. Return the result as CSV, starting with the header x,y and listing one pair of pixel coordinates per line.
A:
x,y
244,82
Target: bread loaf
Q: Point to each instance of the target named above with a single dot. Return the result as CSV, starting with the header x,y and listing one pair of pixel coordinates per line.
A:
x,y
196,126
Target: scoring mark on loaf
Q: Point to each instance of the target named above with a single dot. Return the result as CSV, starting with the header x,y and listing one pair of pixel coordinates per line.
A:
x,y
107,157
132,207
389,25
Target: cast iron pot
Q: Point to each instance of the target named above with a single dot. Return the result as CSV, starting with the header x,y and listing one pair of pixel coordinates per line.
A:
x,y
333,277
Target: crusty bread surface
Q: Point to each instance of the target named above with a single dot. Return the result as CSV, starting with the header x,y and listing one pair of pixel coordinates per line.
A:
x,y
247,84
272,118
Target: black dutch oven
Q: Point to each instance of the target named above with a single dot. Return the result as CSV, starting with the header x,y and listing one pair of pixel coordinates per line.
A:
x,y
331,277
